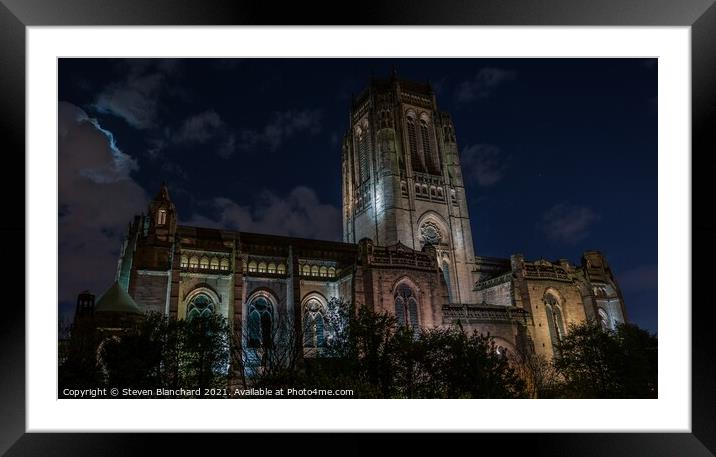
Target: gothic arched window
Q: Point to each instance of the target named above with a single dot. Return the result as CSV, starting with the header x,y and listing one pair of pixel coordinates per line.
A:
x,y
306,270
262,267
271,268
431,159
604,319
314,270
194,262
199,306
554,319
224,264
363,153
252,267
214,264
184,261
446,276
281,269
406,306
418,162
161,217
260,323
204,262
313,324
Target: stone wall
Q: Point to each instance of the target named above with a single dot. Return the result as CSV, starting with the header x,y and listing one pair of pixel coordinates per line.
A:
x,y
501,293
221,284
428,285
570,302
148,288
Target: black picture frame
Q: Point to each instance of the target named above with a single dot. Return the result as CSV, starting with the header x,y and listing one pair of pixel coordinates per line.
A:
x,y
700,15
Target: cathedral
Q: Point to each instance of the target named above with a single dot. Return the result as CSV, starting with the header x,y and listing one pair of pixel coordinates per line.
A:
x,y
407,250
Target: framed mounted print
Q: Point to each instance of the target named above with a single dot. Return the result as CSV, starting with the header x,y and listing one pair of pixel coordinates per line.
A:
x,y
396,227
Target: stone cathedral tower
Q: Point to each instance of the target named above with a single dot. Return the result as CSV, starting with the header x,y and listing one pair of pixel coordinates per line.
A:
x,y
402,181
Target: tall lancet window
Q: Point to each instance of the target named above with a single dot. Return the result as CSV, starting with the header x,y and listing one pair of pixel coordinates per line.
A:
x,y
363,154
260,323
446,276
431,158
162,217
554,319
604,319
406,306
313,325
418,162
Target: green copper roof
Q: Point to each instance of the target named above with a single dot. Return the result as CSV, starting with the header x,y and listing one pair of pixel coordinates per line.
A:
x,y
117,300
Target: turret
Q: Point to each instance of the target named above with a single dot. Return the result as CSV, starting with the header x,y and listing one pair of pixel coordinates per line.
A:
x,y
85,305
162,215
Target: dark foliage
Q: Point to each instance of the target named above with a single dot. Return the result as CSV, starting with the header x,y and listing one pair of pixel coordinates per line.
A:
x,y
80,367
155,352
377,358
366,352
598,363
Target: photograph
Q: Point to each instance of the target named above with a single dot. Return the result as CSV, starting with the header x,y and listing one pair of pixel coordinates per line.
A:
x,y
357,228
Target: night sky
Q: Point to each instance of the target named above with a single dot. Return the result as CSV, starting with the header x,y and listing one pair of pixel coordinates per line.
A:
x,y
559,155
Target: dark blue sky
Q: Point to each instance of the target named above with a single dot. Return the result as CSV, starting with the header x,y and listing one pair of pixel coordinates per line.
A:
x,y
560,155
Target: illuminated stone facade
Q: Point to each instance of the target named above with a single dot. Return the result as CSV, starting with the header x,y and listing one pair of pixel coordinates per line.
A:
x,y
402,181
407,249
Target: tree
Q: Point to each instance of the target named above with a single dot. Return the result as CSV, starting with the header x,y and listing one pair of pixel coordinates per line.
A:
x,y
272,361
599,363
204,352
466,365
639,368
79,366
538,373
134,359
376,357
158,351
370,347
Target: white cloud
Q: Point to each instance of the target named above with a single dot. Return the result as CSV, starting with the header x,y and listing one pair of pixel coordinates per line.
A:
x,y
299,214
136,98
209,126
200,128
282,126
483,84
484,164
97,199
227,148
568,223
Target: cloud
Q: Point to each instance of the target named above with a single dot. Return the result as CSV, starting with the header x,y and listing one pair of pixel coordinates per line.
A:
x,y
156,146
97,199
640,278
136,98
112,164
227,148
299,214
484,164
200,128
281,127
567,223
208,126
483,84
